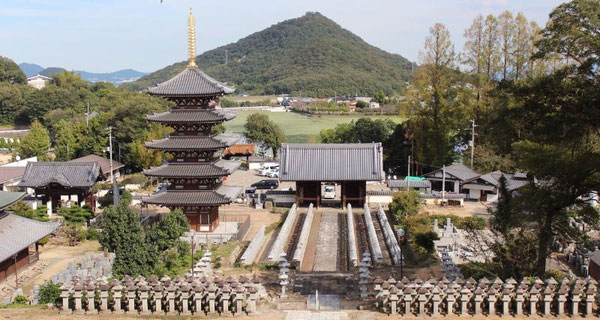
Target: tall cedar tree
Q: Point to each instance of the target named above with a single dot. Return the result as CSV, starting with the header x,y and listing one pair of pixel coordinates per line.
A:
x,y
36,143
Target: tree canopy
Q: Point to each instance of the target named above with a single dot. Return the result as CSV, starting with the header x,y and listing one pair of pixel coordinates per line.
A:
x,y
259,128
10,72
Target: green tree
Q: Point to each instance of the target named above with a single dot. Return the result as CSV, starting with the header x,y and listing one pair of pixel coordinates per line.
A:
x,y
123,234
65,141
260,128
379,97
11,72
12,100
441,96
36,143
405,204
361,104
166,233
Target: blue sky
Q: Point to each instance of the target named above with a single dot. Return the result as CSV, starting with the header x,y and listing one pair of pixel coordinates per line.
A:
x,y
107,35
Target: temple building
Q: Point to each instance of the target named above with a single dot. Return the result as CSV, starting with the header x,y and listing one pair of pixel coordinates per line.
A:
x,y
195,171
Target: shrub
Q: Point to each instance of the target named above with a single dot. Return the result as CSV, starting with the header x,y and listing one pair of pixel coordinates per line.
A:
x,y
93,234
50,293
76,215
425,240
361,104
20,300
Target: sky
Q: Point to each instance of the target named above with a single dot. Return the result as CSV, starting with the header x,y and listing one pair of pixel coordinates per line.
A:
x,y
146,35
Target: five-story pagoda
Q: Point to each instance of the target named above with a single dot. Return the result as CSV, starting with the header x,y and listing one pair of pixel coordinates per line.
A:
x,y
195,171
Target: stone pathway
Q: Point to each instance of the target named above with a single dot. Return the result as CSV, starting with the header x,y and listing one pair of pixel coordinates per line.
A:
x,y
327,243
320,315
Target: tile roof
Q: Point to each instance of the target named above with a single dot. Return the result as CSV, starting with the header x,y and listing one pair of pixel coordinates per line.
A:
x,y
332,162
190,116
460,171
189,143
11,173
18,233
513,181
68,174
174,170
8,198
190,82
103,162
223,195
397,184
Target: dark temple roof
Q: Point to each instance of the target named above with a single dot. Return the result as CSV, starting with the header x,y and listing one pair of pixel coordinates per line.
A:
x,y
18,233
331,162
190,82
193,170
190,116
457,171
67,174
191,143
103,162
223,195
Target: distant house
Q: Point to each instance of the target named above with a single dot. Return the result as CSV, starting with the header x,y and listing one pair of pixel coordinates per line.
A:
x,y
104,165
58,183
10,178
11,174
38,81
486,187
456,175
19,237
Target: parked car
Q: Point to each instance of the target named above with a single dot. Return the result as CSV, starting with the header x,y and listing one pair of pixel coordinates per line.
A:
x,y
250,190
329,192
264,171
266,184
273,174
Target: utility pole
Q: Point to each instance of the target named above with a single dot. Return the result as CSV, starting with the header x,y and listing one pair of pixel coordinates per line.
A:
x,y
110,152
472,141
443,184
226,57
87,115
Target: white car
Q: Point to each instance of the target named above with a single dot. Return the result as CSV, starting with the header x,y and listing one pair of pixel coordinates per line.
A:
x,y
266,170
329,192
273,174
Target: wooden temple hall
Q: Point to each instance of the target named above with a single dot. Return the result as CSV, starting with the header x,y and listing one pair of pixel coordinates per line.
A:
x,y
348,165
195,172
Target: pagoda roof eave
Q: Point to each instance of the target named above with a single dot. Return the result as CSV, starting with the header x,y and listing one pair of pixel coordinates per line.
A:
x,y
194,170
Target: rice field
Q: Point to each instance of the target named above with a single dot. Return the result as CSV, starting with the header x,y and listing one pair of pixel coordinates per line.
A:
x,y
298,127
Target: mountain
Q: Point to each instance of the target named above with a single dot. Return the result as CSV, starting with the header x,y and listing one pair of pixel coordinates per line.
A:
x,y
311,55
30,69
117,77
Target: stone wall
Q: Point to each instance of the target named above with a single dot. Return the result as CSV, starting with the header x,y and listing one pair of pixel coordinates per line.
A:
x,y
486,297
390,237
181,296
373,241
352,251
303,239
253,248
284,234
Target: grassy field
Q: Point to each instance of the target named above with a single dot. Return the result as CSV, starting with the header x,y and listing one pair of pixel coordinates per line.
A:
x,y
298,127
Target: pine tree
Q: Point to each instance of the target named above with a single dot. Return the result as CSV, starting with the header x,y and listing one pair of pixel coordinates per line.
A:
x,y
36,143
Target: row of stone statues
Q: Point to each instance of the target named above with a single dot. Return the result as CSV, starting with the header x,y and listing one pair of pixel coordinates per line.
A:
x,y
486,297
184,296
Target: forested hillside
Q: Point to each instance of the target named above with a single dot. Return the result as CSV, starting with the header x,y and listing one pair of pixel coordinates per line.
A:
x,y
311,54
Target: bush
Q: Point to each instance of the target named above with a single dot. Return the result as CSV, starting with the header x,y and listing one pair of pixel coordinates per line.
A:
x,y
50,293
425,240
20,300
362,105
107,200
137,178
76,215
93,234
405,205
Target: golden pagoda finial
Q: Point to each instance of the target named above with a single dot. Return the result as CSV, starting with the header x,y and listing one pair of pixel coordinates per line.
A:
x,y
191,41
